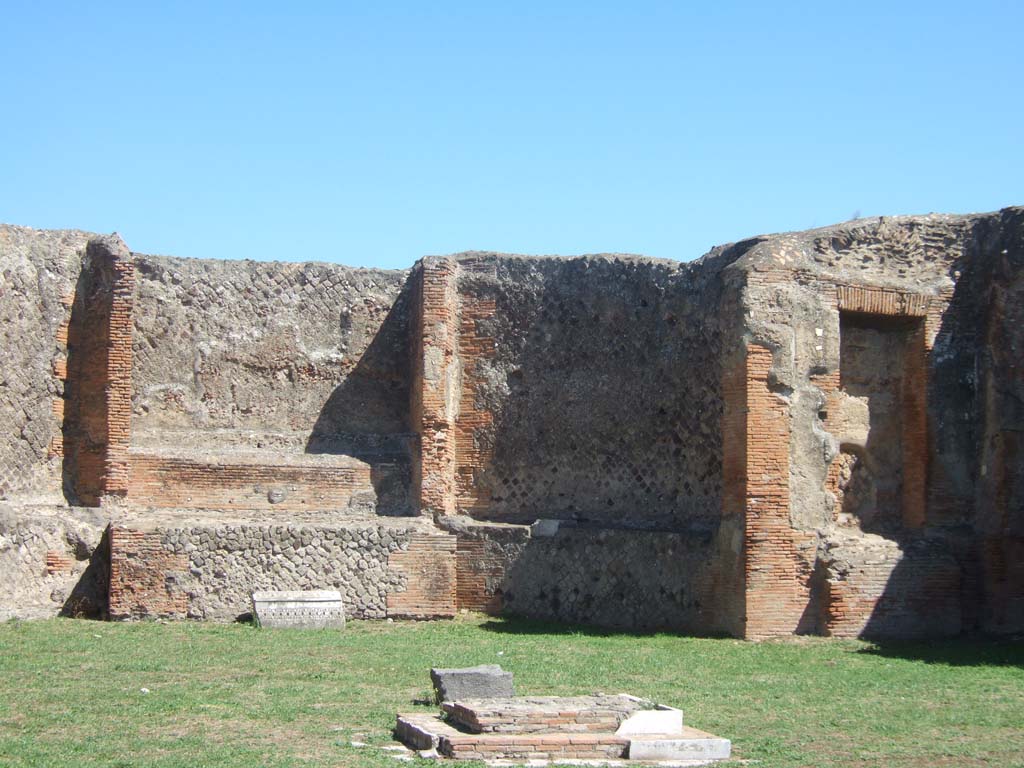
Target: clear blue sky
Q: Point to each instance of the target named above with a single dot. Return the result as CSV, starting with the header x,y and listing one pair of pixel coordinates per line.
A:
x,y
374,133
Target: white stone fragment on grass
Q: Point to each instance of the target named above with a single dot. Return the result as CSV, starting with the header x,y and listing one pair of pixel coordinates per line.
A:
x,y
664,720
304,609
694,745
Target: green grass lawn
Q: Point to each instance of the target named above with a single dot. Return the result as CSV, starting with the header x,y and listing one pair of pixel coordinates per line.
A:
x,y
71,692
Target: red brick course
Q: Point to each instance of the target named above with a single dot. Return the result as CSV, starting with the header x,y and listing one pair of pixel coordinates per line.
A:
x,y
590,746
481,571
118,388
143,576
58,562
429,567
227,484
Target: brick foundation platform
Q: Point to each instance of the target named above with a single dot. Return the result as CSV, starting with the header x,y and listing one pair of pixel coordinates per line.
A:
x,y
560,728
542,714
425,731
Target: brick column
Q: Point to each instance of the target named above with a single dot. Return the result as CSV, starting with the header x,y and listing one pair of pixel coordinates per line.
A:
x,y
436,385
778,560
97,410
732,597
119,371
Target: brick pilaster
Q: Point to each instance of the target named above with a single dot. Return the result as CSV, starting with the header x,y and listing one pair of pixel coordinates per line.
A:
x,y
435,386
778,560
119,375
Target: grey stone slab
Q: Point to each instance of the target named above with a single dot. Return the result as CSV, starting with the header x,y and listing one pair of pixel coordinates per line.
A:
x,y
313,609
486,681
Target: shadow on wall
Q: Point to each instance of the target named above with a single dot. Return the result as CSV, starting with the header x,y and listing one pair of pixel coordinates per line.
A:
x,y
591,394
999,518
600,402
69,426
962,572
620,579
85,408
367,415
89,597
874,353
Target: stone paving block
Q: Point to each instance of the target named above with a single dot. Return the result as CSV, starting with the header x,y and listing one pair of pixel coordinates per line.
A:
x,y
485,681
692,745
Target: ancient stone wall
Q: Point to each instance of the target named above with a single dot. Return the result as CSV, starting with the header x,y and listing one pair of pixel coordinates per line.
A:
x,y
53,560
38,273
999,521
586,391
617,578
269,355
244,371
620,578
209,571
808,432
872,332
590,391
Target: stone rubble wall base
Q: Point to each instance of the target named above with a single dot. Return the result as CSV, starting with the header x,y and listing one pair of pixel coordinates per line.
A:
x,y
210,572
53,561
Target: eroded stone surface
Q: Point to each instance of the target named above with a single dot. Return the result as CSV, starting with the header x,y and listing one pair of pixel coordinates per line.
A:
x,y
480,682
691,744
53,561
542,714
